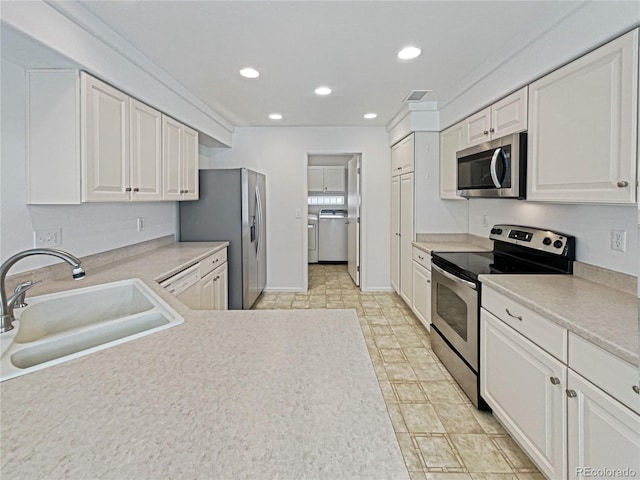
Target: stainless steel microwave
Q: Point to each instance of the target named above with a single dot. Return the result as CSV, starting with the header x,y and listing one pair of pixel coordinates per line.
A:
x,y
495,169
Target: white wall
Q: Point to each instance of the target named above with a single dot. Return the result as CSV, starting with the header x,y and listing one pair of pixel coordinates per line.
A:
x,y
87,228
590,224
433,215
281,154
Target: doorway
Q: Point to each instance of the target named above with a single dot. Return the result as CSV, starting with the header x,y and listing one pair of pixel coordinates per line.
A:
x,y
333,212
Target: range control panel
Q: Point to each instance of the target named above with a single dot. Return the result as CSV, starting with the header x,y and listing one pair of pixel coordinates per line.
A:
x,y
536,238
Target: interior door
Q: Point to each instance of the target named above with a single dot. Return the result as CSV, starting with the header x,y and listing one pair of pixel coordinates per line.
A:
x,y
353,214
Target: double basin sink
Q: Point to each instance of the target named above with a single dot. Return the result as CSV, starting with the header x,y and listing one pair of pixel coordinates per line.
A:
x,y
59,327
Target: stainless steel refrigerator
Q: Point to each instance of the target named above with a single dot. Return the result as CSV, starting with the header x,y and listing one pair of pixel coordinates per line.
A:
x,y
232,207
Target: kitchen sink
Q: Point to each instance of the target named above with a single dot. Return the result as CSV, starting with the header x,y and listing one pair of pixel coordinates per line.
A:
x,y
59,327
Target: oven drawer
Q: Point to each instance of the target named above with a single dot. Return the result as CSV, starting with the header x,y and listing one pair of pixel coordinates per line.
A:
x,y
544,333
598,366
421,257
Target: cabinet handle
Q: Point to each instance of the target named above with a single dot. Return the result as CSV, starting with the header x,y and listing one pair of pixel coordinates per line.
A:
x,y
399,168
623,183
571,393
486,132
636,389
492,130
128,189
186,191
136,189
428,281
519,317
554,380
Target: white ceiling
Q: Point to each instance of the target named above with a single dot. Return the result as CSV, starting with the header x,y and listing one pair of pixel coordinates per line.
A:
x,y
350,46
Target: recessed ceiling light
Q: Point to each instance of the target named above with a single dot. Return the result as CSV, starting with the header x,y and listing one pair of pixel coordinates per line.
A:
x,y
409,52
369,116
249,72
323,90
275,116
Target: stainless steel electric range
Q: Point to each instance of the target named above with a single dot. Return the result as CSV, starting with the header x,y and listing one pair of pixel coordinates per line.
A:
x,y
456,292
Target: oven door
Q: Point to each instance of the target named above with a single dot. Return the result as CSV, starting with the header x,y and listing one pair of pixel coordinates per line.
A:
x,y
454,312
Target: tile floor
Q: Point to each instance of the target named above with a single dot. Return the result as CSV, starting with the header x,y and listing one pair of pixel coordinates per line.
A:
x,y
441,435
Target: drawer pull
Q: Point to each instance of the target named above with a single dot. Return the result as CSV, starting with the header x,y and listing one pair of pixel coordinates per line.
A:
x,y
518,317
636,389
554,380
571,393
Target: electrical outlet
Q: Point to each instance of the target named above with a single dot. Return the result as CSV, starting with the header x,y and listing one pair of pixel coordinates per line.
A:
x,y
140,224
485,221
47,238
619,240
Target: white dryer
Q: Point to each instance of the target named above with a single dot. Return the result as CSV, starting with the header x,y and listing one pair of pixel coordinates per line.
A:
x,y
332,239
312,231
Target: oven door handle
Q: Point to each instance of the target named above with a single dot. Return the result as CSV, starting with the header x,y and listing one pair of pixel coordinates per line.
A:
x,y
494,172
455,278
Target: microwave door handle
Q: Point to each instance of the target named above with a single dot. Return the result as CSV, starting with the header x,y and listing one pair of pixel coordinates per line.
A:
x,y
494,173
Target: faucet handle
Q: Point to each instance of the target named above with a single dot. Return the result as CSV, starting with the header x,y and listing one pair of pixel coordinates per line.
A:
x,y
17,300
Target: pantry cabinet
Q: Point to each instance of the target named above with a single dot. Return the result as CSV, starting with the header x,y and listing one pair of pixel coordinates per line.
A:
x,y
100,144
583,128
403,156
179,161
504,117
451,141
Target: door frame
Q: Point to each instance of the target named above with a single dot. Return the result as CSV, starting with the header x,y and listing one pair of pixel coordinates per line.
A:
x,y
305,211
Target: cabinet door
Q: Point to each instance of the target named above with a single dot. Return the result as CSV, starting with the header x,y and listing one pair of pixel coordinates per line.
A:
x,y
406,238
476,128
451,141
146,152
524,386
315,179
207,291
189,174
509,115
396,159
172,152
583,130
334,179
603,433
221,292
395,233
407,155
105,141
422,294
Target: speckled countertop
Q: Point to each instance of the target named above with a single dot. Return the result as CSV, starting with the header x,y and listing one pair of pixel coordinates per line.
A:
x,y
605,316
236,394
449,246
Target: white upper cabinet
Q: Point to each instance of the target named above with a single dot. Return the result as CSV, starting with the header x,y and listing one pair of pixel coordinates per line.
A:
x,y
326,179
451,141
179,160
146,152
504,117
99,144
403,156
583,128
104,142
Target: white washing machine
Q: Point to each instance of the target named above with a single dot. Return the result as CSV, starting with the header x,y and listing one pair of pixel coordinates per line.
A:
x,y
312,231
332,235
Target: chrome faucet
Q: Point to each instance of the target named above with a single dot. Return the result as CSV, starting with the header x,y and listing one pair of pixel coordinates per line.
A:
x,y
7,305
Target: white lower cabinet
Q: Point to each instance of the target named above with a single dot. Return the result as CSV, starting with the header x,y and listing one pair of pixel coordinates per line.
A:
x,y
213,292
604,435
572,425
422,287
524,386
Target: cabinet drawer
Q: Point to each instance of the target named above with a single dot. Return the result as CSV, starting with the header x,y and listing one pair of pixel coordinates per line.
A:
x,y
606,371
422,258
213,261
544,333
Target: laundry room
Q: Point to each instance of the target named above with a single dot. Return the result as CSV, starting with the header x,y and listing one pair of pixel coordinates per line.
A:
x,y
331,207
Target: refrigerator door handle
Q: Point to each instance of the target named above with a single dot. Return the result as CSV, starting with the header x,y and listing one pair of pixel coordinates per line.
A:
x,y
258,221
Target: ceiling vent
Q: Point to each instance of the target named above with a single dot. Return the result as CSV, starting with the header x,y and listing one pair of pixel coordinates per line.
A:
x,y
416,96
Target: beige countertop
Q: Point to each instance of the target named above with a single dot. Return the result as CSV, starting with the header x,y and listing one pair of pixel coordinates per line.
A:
x,y
226,394
605,316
